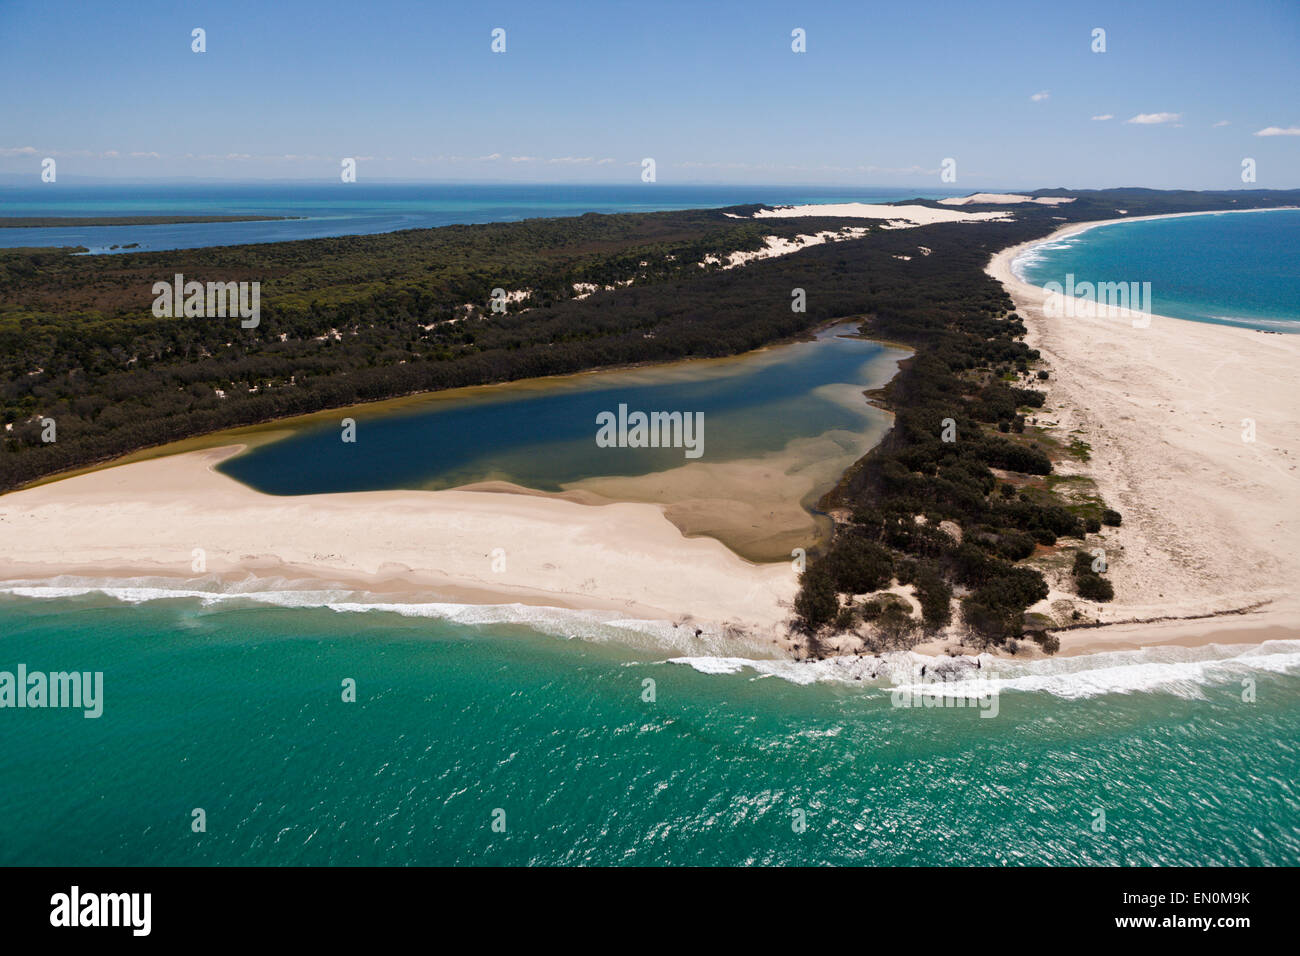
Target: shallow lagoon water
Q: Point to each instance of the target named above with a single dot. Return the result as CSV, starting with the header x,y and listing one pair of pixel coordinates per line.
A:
x,y
542,433
780,426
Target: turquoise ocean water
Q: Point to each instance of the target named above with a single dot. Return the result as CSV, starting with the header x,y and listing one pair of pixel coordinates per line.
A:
x,y
236,708
1227,268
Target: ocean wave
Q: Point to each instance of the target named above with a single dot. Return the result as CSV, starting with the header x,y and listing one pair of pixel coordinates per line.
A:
x,y
1273,324
1180,671
593,626
1033,255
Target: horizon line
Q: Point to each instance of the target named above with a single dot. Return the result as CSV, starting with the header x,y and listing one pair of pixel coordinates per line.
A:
x,y
6,181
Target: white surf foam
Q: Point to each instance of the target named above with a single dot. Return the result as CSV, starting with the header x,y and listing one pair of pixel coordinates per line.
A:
x,y
1032,255
1180,671
1183,672
594,626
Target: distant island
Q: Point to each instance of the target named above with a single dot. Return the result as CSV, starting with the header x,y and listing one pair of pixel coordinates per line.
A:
x,y
31,222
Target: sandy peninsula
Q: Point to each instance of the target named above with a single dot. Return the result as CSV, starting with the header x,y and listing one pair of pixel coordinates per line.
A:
x,y
1209,549
147,518
1208,552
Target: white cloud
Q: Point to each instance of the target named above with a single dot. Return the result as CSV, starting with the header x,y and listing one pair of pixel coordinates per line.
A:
x,y
1040,96
523,159
79,153
1221,123
1155,119
1279,131
571,160
1105,116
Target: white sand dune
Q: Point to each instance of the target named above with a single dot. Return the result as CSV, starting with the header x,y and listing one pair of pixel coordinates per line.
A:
x,y
775,246
976,199
898,217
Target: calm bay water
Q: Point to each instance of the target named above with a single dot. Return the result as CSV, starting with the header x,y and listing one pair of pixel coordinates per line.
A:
x,y
237,709
338,209
1229,268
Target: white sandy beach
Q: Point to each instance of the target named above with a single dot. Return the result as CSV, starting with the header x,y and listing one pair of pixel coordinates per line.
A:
x,y
1210,521
146,519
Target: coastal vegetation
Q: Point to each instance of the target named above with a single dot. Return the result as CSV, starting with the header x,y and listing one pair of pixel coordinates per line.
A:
x,y
1088,580
356,319
948,497
951,494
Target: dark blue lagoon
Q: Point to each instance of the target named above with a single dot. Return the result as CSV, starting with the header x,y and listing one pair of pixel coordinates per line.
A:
x,y
542,433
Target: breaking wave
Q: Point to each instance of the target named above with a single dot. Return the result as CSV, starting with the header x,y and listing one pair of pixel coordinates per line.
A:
x,y
1181,671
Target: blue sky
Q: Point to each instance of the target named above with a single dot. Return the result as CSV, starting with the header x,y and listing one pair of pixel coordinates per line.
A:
x,y
711,91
